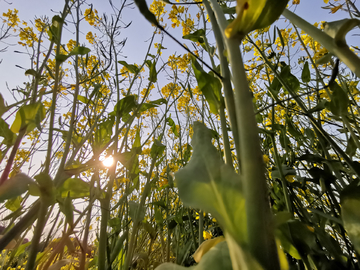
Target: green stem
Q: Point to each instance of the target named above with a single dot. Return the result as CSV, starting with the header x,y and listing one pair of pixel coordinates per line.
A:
x,y
37,235
225,72
261,240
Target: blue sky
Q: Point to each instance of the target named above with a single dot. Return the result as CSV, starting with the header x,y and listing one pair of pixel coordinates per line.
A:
x,y
138,33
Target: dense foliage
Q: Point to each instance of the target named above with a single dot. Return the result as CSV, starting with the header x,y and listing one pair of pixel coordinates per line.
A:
x,y
108,164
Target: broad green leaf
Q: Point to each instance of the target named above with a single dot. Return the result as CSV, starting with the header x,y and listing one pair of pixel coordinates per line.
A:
x,y
79,50
339,100
339,29
125,106
218,258
157,149
132,68
84,100
47,187
305,75
206,246
6,133
77,188
209,184
324,59
196,36
136,212
60,58
14,203
151,104
254,14
28,116
14,186
290,79
350,205
209,85
104,132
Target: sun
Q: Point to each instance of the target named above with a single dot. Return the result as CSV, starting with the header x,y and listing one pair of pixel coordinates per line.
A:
x,y
108,162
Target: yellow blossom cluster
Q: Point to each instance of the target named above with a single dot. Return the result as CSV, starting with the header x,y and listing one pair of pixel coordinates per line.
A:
x,y
71,44
28,36
157,8
11,18
174,15
187,25
40,25
172,89
179,62
90,37
91,16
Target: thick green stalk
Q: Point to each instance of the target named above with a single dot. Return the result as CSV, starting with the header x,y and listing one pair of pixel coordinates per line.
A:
x,y
342,52
260,239
37,235
225,73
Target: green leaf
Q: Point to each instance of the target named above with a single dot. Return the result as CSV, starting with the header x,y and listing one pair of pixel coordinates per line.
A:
x,y
290,79
196,36
305,75
339,29
339,100
125,105
118,246
79,50
350,205
152,70
218,258
209,184
206,246
3,107
209,85
61,58
68,210
15,186
132,68
286,171
75,188
104,132
26,117
14,203
136,212
6,133
172,124
152,104
253,15
31,72
324,60
351,147
84,99
157,149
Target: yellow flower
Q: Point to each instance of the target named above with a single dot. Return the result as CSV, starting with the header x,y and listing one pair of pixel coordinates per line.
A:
x,y
207,235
